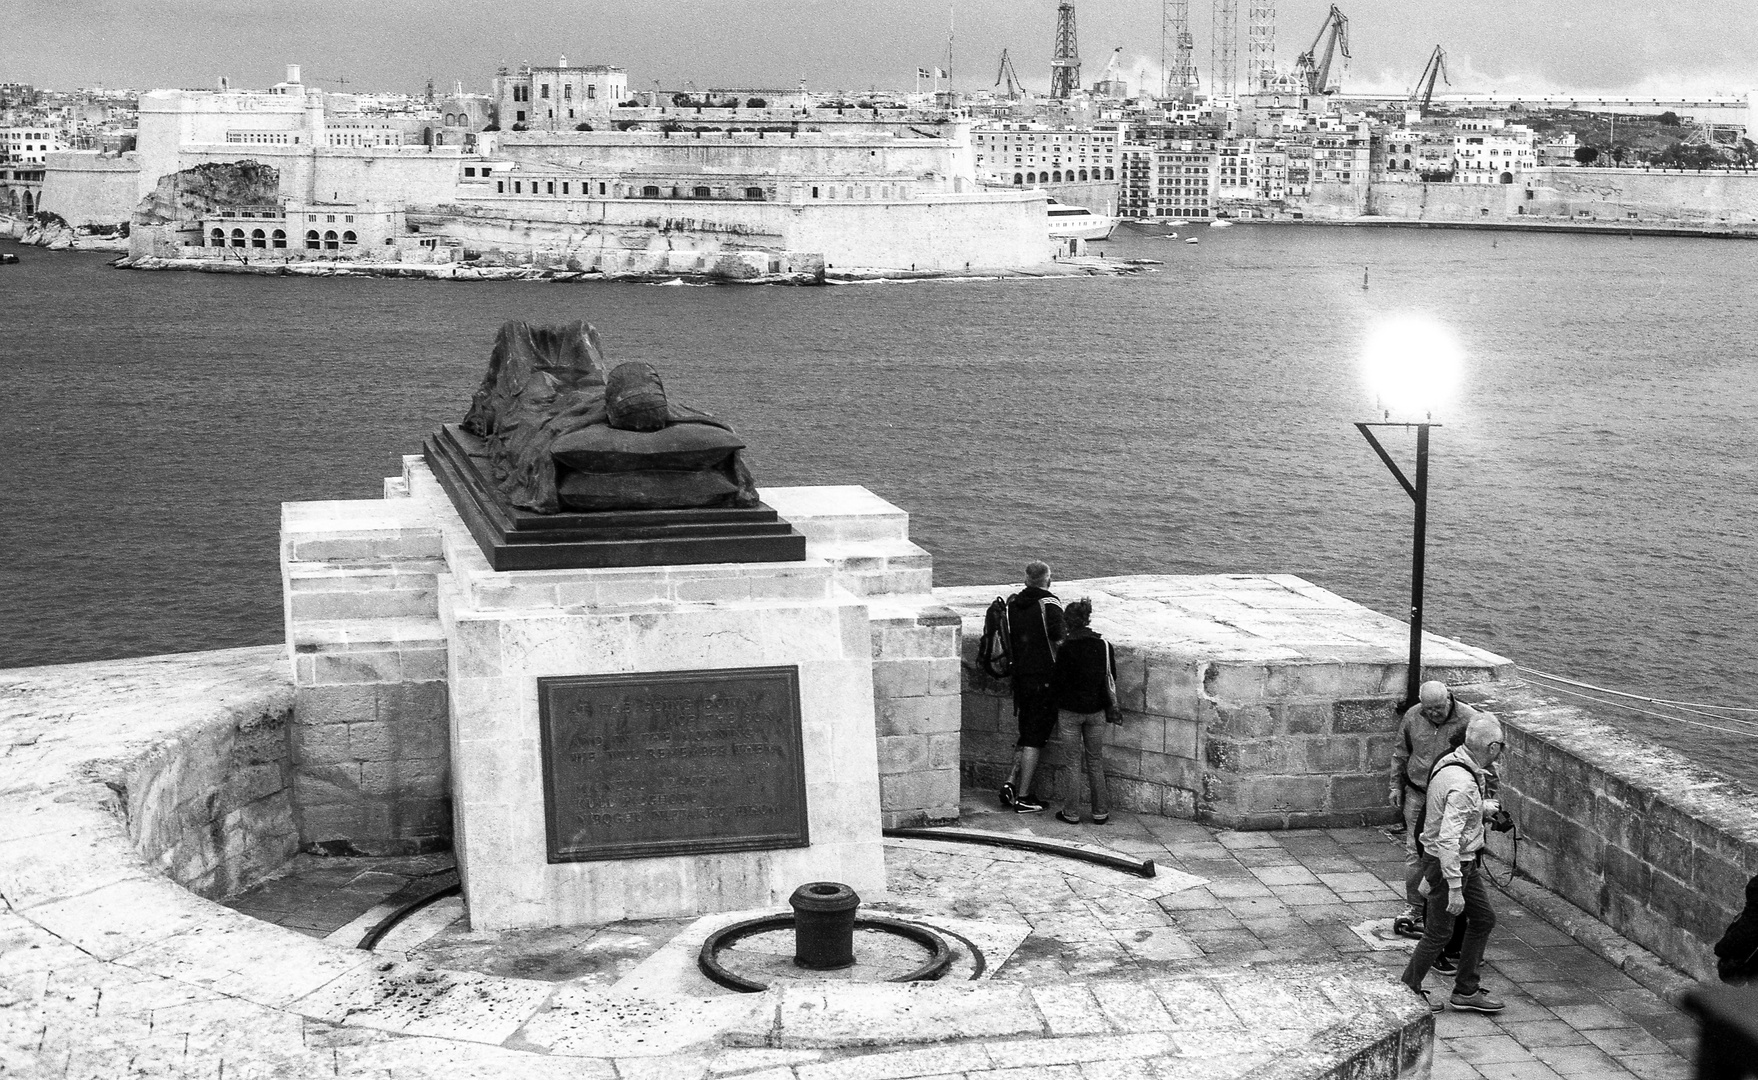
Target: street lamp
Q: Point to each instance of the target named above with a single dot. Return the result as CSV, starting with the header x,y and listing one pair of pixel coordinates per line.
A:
x,y
1412,365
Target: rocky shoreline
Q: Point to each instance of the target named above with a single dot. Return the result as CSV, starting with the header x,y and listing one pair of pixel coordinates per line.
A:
x,y
1085,266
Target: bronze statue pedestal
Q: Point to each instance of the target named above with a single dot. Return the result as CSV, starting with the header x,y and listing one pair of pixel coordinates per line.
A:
x,y
515,539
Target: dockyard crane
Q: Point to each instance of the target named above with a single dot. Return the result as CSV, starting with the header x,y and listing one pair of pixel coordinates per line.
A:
x,y
1315,74
1006,72
1423,93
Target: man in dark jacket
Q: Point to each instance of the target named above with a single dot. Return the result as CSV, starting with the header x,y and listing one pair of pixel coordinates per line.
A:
x,y
1035,630
1736,954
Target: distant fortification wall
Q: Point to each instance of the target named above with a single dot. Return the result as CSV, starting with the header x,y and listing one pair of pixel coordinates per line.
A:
x,y
1559,195
87,188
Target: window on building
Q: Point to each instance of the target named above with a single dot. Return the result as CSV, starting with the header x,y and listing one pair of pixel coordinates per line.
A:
x,y
549,187
814,191
518,187
543,91
601,187
564,187
567,92
279,239
469,170
500,187
257,239
217,238
311,239
754,193
349,237
237,237
592,91
330,241
651,191
701,193
1018,179
520,116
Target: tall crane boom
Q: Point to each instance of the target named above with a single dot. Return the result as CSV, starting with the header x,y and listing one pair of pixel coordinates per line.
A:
x,y
1006,73
1423,93
1315,74
1177,50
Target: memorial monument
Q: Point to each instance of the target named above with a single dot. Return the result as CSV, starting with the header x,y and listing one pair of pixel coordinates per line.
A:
x,y
656,704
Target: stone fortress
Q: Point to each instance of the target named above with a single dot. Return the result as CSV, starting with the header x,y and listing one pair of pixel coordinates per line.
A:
x,y
550,726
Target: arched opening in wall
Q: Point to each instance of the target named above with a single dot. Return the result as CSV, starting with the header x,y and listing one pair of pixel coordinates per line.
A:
x,y
1507,178
1056,177
330,243
349,237
427,136
30,203
278,238
1031,178
1083,174
217,238
311,240
1108,175
701,193
1018,179
651,191
258,238
754,193
237,237
1406,164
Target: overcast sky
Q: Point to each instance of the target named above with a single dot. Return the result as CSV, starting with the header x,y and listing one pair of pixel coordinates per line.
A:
x,y
1661,46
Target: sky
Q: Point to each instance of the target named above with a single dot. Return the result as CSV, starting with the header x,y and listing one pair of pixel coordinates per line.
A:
x,y
1686,47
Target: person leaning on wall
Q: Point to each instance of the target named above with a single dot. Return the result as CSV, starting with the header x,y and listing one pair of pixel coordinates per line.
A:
x,y
1086,695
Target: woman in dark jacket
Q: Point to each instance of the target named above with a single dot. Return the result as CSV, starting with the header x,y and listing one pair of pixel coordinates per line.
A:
x,y
1086,694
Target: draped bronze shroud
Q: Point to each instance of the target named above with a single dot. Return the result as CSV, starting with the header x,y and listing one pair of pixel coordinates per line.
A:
x,y
546,382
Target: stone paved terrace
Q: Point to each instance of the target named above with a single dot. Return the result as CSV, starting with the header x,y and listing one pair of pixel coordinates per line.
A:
x,y
1269,898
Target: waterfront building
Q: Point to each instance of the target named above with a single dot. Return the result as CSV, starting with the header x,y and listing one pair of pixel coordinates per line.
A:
x,y
29,144
1075,165
1491,151
1170,181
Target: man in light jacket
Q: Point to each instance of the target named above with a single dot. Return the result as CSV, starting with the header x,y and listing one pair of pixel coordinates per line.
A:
x,y
1452,872
1425,735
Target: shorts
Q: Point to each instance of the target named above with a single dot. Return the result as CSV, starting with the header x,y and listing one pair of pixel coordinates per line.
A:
x,y
1035,704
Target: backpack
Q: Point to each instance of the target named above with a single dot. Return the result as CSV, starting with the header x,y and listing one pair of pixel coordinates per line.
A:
x,y
994,651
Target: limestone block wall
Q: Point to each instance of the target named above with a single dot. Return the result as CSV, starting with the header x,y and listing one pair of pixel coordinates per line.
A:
x,y
915,639
1627,830
1249,701
368,742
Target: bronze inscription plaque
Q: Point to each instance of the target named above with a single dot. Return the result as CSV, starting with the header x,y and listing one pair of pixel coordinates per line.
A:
x,y
672,763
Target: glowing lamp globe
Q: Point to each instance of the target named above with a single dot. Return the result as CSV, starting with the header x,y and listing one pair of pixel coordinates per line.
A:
x,y
1412,366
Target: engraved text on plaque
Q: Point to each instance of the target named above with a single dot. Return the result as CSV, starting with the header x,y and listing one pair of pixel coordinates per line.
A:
x,y
672,763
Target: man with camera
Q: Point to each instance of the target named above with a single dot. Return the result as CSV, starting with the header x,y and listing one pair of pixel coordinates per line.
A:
x,y
1429,730
1451,844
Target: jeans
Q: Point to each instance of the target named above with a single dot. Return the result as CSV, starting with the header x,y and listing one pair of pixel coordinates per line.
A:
x,y
1413,801
1479,917
1091,727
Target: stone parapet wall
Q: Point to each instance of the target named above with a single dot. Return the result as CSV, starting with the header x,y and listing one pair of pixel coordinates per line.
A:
x,y
915,638
1629,831
368,742
1249,701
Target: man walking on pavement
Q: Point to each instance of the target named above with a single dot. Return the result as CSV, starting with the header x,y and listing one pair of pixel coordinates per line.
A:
x,y
1452,873
1035,630
1427,732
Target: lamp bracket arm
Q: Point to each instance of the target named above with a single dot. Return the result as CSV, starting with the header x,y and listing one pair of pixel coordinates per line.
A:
x,y
1367,433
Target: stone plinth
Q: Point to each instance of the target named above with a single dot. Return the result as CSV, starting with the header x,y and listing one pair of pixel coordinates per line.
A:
x,y
1250,701
508,630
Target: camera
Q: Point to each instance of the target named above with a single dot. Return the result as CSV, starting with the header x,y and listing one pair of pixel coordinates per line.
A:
x,y
1500,821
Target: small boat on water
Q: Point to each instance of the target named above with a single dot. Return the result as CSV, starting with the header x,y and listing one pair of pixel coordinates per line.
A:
x,y
1192,240
1221,223
1078,223
7,258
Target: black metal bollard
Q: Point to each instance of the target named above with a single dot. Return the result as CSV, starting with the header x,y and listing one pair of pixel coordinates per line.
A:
x,y
824,925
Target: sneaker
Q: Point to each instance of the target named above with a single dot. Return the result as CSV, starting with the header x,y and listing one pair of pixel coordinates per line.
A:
x,y
1069,816
1100,819
1478,1002
1025,804
1007,796
1434,1004
1445,965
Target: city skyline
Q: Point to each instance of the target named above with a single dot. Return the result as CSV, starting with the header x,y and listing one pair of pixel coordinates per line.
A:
x,y
1627,46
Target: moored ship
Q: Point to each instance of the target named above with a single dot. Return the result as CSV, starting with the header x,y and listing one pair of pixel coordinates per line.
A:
x,y
1078,223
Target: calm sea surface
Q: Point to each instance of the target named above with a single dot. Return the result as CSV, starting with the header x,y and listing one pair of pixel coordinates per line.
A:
x,y
1594,489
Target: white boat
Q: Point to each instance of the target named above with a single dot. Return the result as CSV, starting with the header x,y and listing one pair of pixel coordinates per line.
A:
x,y
1221,224
1078,223
1192,240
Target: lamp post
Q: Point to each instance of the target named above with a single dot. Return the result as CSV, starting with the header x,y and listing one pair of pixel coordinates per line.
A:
x,y
1412,365
1418,492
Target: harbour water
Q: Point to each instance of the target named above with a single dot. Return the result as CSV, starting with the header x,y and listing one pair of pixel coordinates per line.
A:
x,y
1594,487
